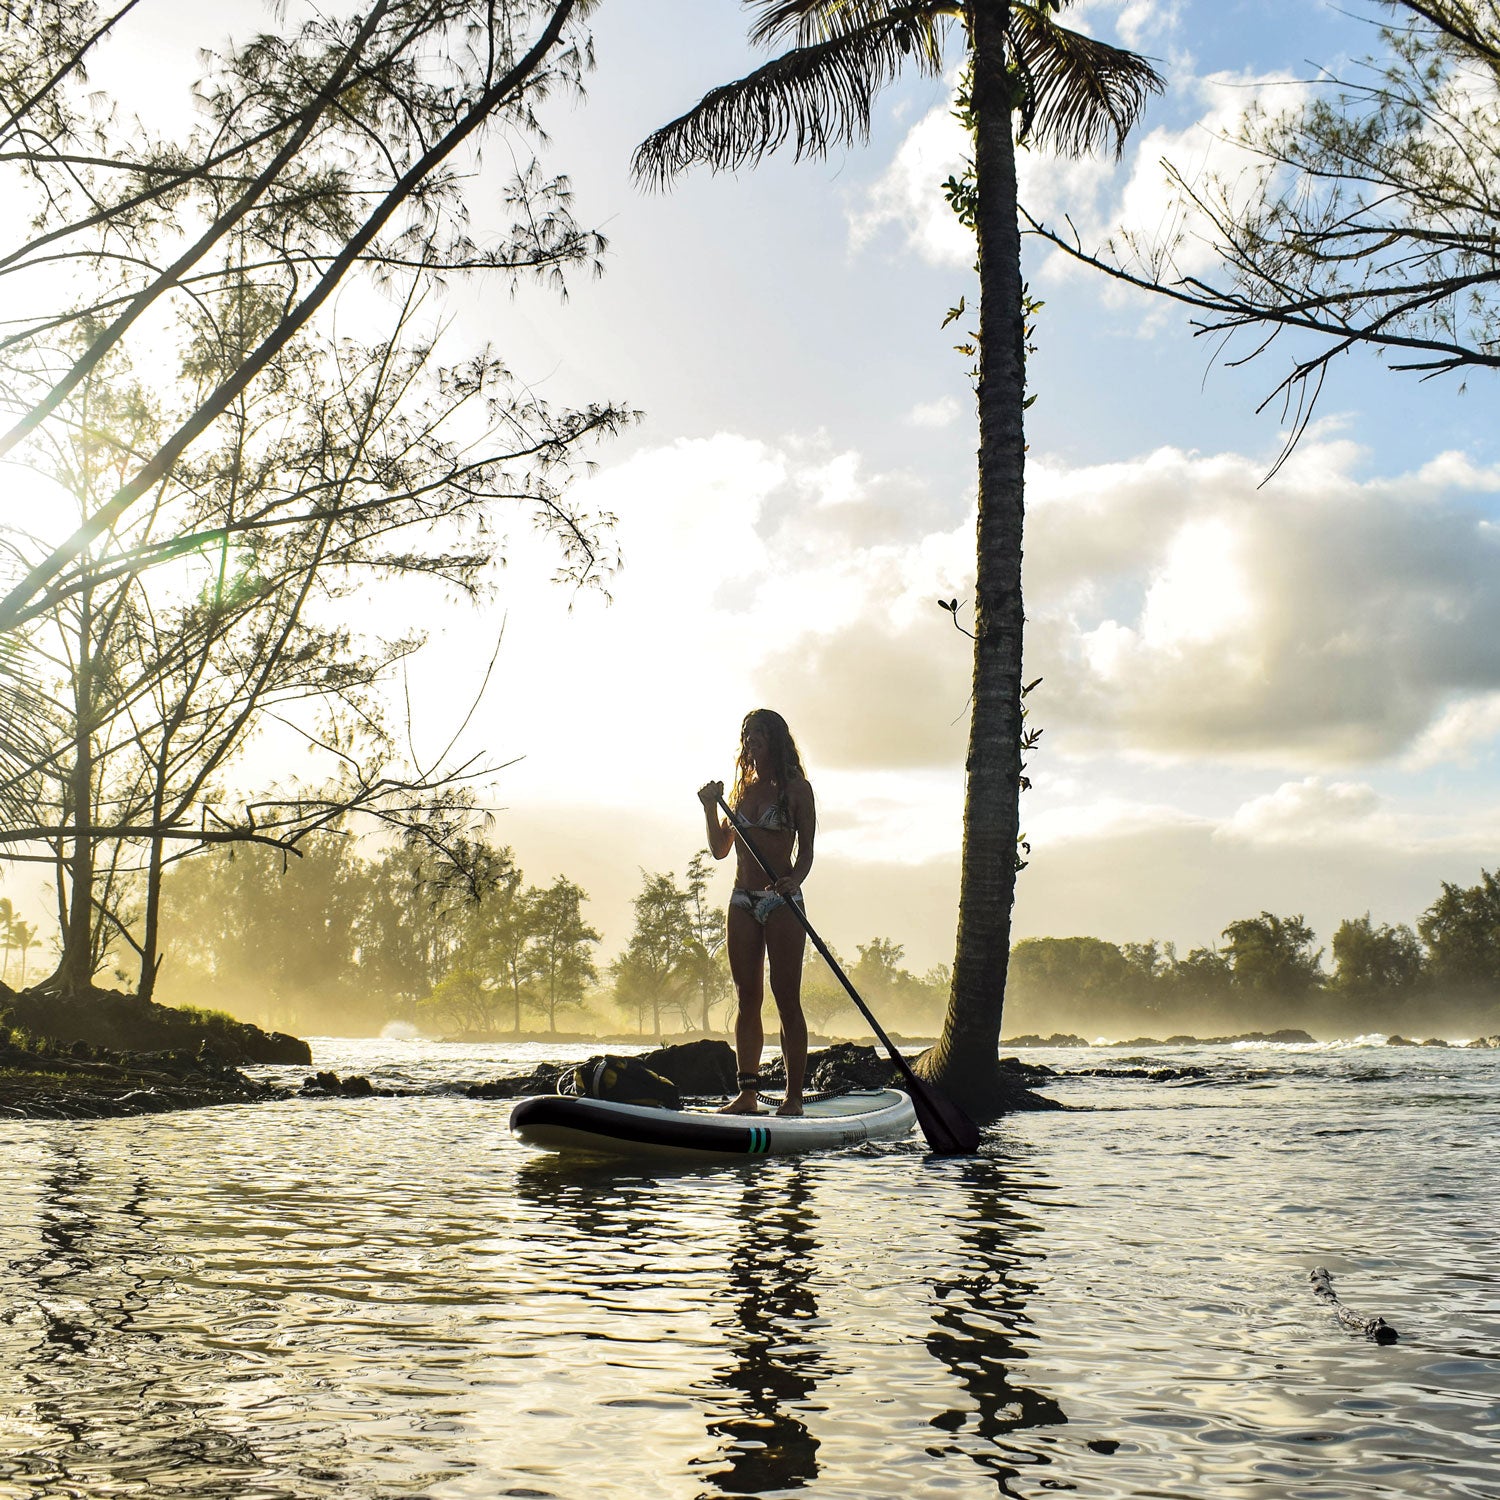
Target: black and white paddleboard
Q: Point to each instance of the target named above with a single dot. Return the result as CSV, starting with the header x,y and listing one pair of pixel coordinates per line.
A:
x,y
558,1122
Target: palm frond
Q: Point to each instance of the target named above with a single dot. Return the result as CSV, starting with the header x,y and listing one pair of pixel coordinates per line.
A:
x,y
1080,93
804,22
28,732
816,97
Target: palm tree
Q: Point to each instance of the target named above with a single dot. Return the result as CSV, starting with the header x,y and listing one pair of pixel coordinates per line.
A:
x,y
23,934
1028,77
7,933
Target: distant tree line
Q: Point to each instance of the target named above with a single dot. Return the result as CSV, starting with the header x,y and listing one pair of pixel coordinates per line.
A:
x,y
341,942
1267,974
336,942
1270,973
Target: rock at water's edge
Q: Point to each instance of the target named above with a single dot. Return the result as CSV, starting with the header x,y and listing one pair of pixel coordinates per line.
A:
x,y
126,1023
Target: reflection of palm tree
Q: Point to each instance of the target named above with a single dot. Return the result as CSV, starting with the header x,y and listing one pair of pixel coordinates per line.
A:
x,y
979,1315
768,1447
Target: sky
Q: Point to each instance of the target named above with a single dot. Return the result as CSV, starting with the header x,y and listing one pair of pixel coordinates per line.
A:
x,y
1256,693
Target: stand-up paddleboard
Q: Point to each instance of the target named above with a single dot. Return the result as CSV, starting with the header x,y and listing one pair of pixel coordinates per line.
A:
x,y
557,1122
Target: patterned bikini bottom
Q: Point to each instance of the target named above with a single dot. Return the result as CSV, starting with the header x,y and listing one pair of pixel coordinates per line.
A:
x,y
760,904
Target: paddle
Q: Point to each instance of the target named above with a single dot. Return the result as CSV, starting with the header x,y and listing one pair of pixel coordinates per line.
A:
x,y
949,1131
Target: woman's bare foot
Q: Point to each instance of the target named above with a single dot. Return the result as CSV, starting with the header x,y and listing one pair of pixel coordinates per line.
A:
x,y
790,1106
746,1102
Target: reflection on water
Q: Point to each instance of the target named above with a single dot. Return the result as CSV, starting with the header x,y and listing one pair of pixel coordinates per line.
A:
x,y
389,1298
759,1399
979,1317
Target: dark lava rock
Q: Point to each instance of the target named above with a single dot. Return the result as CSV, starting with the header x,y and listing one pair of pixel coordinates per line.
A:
x,y
1399,1041
1033,1072
1031,1039
121,1022
541,1080
56,1081
1491,1043
1434,1041
836,1069
700,1068
1288,1037
355,1086
1151,1075
1146,1041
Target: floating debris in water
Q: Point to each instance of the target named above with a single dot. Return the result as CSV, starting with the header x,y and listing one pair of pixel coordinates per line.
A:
x,y
1376,1329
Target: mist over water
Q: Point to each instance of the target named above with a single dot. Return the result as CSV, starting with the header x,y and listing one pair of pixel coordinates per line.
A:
x,y
391,1297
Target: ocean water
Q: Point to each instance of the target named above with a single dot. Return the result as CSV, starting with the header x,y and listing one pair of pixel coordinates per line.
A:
x,y
391,1297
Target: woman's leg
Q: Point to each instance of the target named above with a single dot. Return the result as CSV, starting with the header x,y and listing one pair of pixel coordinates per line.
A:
x,y
746,943
785,940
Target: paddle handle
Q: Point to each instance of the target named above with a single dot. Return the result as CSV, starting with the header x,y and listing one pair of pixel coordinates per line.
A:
x,y
737,824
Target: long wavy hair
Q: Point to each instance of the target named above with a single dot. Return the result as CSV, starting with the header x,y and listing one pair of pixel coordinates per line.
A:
x,y
786,764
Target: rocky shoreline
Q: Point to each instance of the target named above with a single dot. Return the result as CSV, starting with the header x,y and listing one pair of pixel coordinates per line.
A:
x,y
53,1080
1288,1038
75,1081
109,1055
106,1054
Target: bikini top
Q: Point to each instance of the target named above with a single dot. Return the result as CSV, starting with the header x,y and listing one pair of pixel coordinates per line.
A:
x,y
771,820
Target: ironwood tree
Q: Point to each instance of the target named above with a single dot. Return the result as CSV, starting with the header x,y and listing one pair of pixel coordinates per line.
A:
x,y
224,507
1370,223
362,462
337,142
563,945
654,975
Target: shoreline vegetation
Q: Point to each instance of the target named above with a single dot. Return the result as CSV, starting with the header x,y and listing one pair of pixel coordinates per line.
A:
x,y
313,951
110,1054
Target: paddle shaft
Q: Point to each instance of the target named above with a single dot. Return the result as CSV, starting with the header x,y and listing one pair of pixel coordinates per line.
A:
x,y
956,1139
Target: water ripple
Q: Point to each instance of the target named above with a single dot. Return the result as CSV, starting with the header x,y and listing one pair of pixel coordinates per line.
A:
x,y
389,1297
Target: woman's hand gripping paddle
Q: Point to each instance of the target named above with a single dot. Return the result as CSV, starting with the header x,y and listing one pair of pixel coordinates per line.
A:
x,y
949,1131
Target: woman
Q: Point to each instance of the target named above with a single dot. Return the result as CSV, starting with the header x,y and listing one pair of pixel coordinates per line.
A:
x,y
773,800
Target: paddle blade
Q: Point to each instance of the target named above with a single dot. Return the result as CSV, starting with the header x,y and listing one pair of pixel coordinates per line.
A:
x,y
949,1131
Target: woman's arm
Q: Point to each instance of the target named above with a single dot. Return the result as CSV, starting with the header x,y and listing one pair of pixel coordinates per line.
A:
x,y
720,835
805,820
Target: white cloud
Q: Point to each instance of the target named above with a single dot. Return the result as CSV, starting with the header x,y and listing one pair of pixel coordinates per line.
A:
x,y
1132,23
1096,819
1458,735
1312,812
1325,621
908,194
1099,197
1176,611
943,412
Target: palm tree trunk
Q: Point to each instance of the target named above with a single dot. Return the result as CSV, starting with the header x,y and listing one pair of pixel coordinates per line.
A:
x,y
76,969
965,1061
